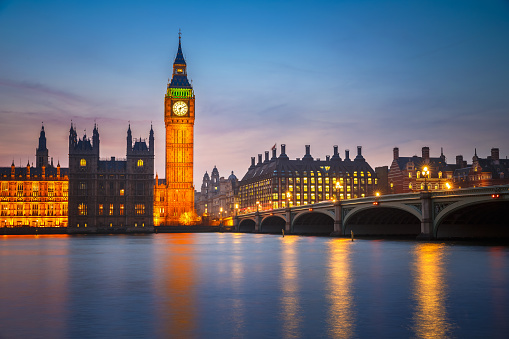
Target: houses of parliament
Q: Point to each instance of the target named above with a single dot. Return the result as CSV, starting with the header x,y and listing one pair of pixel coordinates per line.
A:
x,y
99,195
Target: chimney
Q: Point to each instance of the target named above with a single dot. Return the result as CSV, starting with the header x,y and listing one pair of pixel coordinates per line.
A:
x,y
266,156
274,153
252,162
425,153
259,159
283,155
327,157
307,156
459,161
359,150
495,154
395,153
347,154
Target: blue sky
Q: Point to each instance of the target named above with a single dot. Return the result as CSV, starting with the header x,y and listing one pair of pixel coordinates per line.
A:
x,y
378,74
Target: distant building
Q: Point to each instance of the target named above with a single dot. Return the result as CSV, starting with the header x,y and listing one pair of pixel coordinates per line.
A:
x,y
267,183
114,194
34,196
407,174
217,196
483,172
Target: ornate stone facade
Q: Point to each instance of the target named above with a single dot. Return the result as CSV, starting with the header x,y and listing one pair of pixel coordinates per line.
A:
x,y
34,196
114,195
217,198
174,197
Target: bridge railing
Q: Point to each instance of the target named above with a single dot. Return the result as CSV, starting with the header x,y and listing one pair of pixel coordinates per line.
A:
x,y
461,192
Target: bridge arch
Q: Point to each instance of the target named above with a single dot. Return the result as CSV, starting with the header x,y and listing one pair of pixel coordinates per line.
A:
x,y
313,222
478,217
272,224
247,225
395,220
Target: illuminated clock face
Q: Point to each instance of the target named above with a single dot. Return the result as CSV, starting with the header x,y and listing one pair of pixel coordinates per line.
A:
x,y
180,108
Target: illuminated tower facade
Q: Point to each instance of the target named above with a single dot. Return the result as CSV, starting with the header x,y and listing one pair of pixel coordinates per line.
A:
x,y
179,121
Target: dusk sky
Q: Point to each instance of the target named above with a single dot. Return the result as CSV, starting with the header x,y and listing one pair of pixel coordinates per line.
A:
x,y
378,74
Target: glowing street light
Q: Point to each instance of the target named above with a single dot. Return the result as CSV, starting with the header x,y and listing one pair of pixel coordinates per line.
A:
x,y
425,173
288,196
257,206
338,187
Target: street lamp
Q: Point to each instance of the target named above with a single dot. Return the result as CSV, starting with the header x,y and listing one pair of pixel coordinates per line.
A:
x,y
257,206
220,216
288,196
338,187
425,173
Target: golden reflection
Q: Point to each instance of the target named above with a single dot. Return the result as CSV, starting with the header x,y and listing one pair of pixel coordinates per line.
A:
x,y
176,294
430,316
237,280
341,317
291,310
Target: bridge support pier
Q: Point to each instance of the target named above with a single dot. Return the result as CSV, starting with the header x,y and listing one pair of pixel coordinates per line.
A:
x,y
236,223
288,224
257,222
427,217
338,222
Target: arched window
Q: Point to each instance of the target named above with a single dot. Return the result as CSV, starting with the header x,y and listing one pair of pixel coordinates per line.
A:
x,y
83,162
140,163
440,175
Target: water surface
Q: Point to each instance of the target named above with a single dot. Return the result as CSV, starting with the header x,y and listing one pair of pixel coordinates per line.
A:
x,y
214,285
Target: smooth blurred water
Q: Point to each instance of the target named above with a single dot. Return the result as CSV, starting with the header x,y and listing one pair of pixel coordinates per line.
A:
x,y
214,285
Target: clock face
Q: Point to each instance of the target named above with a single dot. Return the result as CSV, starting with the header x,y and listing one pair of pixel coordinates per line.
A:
x,y
180,108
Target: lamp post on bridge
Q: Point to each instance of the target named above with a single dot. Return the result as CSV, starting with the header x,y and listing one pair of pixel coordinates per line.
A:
x,y
338,224
425,173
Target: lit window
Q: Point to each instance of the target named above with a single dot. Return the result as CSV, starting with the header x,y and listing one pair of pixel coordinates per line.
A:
x,y
440,175
121,209
122,191
82,209
409,174
83,162
101,209
139,209
140,163
111,209
410,185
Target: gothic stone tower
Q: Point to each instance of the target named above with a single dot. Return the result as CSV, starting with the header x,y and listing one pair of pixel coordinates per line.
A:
x,y
179,122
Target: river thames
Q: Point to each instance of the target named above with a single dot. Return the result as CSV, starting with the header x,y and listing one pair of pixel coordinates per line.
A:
x,y
222,285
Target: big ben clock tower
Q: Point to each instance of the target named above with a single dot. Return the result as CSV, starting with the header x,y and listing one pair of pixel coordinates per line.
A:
x,y
179,122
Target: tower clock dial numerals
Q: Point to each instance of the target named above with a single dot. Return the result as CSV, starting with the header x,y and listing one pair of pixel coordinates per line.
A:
x,y
180,108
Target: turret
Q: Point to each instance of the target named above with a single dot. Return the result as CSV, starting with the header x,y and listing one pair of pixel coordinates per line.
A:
x,y
307,156
151,141
129,140
95,138
13,170
41,153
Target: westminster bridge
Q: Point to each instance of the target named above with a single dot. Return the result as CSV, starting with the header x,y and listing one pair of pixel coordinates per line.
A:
x,y
481,212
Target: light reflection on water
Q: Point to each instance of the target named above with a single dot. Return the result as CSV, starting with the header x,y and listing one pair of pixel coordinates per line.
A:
x,y
341,314
249,286
290,287
430,290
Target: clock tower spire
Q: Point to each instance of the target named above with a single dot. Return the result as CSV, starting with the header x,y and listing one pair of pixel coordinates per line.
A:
x,y
179,122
